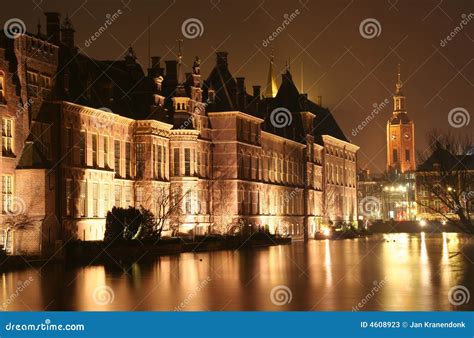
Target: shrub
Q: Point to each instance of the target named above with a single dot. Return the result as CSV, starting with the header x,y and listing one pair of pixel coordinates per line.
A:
x,y
130,224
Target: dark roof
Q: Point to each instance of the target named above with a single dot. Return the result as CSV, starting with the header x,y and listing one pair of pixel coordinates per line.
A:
x,y
120,85
230,95
445,160
324,122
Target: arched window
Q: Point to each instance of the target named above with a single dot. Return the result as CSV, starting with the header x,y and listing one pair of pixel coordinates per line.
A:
x,y
2,88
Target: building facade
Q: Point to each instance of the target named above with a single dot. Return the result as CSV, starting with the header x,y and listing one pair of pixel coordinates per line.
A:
x,y
80,136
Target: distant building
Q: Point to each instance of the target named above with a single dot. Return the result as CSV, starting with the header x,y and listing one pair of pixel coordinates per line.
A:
x,y
81,135
452,175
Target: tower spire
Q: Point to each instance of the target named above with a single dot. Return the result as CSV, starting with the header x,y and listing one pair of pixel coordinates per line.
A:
x,y
271,89
180,71
399,81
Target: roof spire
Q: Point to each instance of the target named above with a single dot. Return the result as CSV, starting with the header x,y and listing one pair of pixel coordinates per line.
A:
x,y
399,81
271,88
180,71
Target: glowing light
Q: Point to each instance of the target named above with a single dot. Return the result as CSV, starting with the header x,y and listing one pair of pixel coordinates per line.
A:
x,y
326,232
444,223
422,223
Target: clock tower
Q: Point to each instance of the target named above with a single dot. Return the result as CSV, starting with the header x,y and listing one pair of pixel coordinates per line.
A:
x,y
400,135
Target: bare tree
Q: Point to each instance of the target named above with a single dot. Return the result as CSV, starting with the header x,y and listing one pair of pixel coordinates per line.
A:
x,y
169,211
225,222
445,180
328,202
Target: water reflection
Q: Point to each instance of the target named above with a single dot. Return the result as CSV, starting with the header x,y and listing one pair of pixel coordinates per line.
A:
x,y
416,272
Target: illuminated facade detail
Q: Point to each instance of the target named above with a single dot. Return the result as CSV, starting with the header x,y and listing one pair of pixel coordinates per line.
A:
x,y
84,147
400,135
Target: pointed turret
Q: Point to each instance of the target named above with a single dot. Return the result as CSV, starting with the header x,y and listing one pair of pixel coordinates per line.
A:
x,y
272,88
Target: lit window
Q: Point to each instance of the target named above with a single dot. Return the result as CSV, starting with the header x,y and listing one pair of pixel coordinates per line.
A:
x,y
117,156
118,196
128,196
83,199
82,148
106,199
139,197
7,194
95,199
69,197
140,160
106,151
94,150
188,203
2,88
160,161
7,137
176,167
128,156
187,162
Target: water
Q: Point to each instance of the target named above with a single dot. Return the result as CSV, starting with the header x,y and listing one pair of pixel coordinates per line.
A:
x,y
383,272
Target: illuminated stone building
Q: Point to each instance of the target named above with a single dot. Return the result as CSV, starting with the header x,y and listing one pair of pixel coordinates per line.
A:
x,y
82,135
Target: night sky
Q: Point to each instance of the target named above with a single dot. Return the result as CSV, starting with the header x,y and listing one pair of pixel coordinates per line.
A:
x,y
350,72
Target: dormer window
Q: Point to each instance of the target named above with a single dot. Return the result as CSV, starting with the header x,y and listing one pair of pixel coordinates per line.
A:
x,y
211,95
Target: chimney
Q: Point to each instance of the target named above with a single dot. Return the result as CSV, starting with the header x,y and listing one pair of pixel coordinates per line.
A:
x,y
53,27
256,91
171,68
222,59
67,33
240,84
155,62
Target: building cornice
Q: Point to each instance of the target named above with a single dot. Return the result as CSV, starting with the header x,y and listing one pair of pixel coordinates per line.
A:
x,y
282,139
335,141
235,113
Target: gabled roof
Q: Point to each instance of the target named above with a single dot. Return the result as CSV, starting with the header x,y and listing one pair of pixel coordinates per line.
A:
x,y
445,160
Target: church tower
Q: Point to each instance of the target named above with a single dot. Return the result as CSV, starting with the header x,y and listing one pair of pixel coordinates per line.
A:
x,y
400,135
